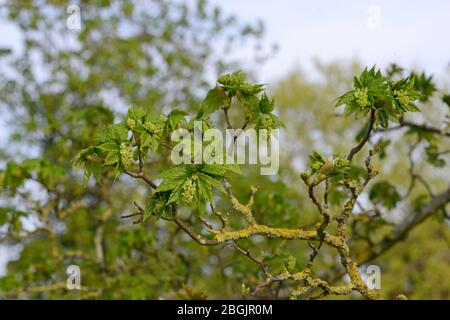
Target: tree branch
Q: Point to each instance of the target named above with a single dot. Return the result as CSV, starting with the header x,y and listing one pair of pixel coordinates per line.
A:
x,y
141,175
366,137
195,236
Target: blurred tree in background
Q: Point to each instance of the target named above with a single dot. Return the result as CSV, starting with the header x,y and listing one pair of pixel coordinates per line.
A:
x,y
67,86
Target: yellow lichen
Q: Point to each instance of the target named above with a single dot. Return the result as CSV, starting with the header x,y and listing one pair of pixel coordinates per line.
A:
x,y
281,233
245,210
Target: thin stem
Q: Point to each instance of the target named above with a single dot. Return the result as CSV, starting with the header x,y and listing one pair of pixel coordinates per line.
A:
x,y
141,162
227,118
366,137
195,236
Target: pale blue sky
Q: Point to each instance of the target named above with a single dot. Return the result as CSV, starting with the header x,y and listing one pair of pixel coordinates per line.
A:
x,y
411,33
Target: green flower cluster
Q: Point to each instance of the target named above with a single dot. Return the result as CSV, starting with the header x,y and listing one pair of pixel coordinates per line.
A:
x,y
316,166
233,79
341,163
156,127
316,161
189,190
361,97
321,167
402,97
126,154
265,122
160,203
131,123
157,205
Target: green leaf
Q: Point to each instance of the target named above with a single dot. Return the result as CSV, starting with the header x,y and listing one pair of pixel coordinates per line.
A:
x,y
5,51
90,161
424,86
221,169
215,99
146,140
173,177
204,190
14,176
176,118
212,182
266,105
385,194
109,146
381,146
112,158
176,194
116,132
136,114
446,99
433,156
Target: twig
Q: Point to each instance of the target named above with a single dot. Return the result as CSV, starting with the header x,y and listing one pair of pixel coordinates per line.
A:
x,y
195,236
366,137
227,118
141,175
141,162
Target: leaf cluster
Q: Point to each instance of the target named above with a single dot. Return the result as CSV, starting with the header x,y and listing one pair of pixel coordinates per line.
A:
x,y
388,99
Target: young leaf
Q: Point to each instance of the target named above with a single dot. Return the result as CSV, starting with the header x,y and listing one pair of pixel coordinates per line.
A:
x,y
173,177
